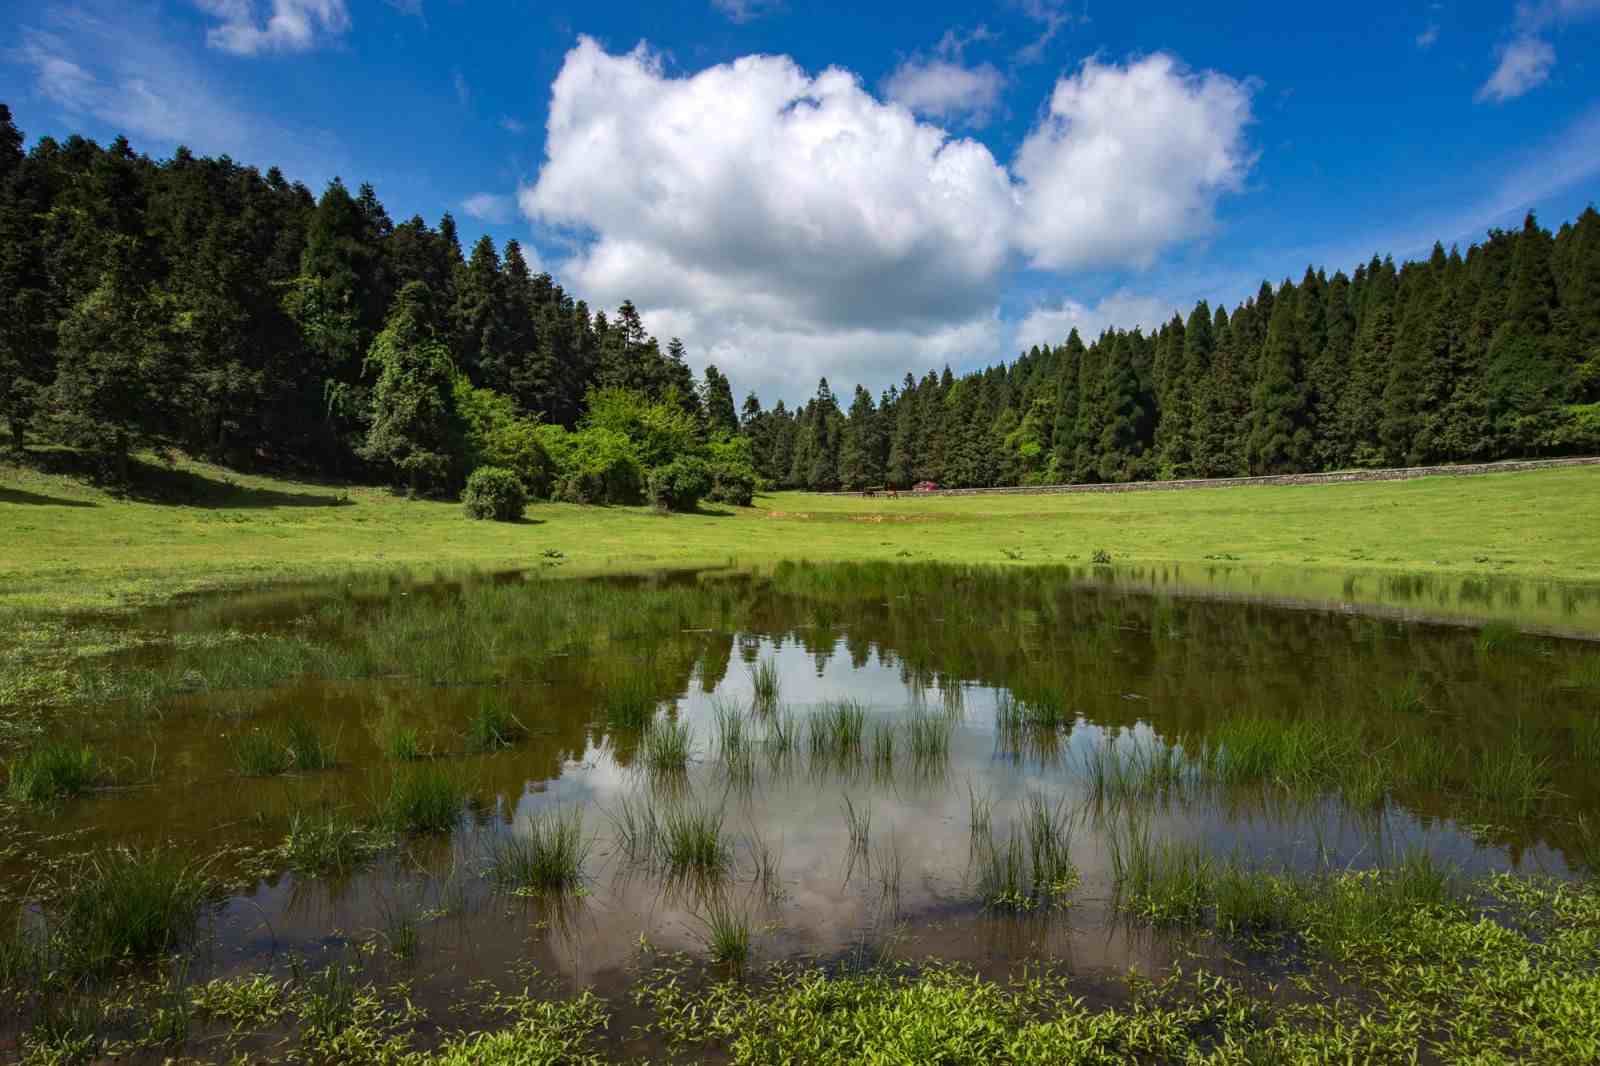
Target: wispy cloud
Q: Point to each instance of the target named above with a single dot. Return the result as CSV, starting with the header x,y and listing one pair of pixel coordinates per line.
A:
x,y
1052,16
513,125
489,207
100,63
289,26
407,7
1428,37
1527,58
746,10
463,90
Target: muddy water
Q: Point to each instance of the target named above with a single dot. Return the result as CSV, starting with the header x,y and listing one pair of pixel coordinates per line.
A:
x,y
1136,659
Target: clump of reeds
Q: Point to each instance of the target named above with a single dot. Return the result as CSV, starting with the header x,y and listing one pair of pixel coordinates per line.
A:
x,y
666,746
765,684
396,739
630,702
1420,763
928,738
546,857
1510,776
493,727
1163,882
328,842
692,845
836,731
308,748
638,829
127,903
859,823
52,771
425,799
1408,697
1044,707
782,736
1497,637
1119,773
1033,865
295,745
727,933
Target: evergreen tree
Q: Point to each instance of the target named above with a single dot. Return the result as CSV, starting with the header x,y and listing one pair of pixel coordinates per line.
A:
x,y
1280,438
717,400
901,465
1064,435
1523,374
412,397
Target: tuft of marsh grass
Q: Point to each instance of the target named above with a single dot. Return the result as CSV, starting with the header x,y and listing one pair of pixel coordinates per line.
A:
x,y
1408,697
1510,777
1300,754
928,738
397,740
127,903
666,746
424,799
727,933
638,829
630,702
782,737
691,843
51,772
1421,763
1253,902
1045,707
859,823
1585,674
328,842
1586,738
764,682
547,857
883,747
1497,637
1162,882
493,727
258,753
836,731
1118,773
1033,865
296,745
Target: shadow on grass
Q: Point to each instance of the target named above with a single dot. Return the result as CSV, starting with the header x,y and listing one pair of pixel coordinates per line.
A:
x,y
34,499
152,481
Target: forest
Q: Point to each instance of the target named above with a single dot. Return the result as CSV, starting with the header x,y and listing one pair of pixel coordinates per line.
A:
x,y
201,305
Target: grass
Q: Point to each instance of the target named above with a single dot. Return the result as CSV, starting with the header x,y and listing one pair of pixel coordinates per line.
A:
x,y
328,842
1510,776
727,933
127,903
254,529
836,730
295,745
547,856
765,684
928,738
630,702
51,772
424,799
1032,866
691,844
666,746
1497,636
493,727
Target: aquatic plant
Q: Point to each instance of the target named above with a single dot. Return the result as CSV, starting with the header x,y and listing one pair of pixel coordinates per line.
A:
x,y
52,771
1408,697
126,903
928,738
1496,637
691,843
424,799
308,748
630,701
547,855
493,727
666,746
328,841
836,730
727,934
766,685
1509,776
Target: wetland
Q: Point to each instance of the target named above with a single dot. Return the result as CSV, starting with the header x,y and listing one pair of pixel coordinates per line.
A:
x,y
814,812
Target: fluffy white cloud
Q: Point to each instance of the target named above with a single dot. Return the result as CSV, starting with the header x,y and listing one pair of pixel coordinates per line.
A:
x,y
941,89
1049,325
1524,65
756,205
790,226
1128,160
290,25
489,207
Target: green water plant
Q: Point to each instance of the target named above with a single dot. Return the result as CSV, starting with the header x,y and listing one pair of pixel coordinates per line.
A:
x,y
52,771
545,854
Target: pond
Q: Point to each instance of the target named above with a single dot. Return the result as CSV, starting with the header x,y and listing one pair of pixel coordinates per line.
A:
x,y
451,785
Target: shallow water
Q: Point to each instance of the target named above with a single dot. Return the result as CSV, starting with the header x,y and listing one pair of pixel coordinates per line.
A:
x,y
1139,660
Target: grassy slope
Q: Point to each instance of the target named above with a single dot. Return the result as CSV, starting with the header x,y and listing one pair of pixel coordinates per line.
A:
x,y
65,544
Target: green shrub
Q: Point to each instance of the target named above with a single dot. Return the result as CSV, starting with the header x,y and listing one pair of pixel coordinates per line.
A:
x,y
732,484
493,434
596,465
494,492
681,484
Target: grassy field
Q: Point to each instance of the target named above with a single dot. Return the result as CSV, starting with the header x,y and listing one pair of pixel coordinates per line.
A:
x,y
64,544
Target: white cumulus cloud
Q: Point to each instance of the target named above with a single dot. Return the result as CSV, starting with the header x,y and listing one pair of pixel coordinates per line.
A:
x,y
1050,324
1128,160
939,88
789,226
288,26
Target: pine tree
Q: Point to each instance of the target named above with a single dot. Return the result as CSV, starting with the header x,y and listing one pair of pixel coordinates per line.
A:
x,y
1280,438
901,466
1523,374
717,401
1064,435
860,466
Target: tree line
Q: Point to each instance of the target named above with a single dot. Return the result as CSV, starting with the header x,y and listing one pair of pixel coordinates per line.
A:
x,y
1490,354
202,305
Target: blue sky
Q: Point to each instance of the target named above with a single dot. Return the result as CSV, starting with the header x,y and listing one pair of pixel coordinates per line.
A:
x,y
798,191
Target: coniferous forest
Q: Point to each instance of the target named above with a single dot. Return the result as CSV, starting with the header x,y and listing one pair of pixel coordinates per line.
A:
x,y
202,305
